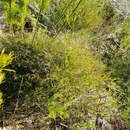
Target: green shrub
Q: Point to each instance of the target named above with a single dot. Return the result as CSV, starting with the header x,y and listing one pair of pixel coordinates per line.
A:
x,y
16,12
119,67
77,14
56,76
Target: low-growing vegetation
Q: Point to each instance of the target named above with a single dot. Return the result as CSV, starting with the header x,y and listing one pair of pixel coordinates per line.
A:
x,y
70,62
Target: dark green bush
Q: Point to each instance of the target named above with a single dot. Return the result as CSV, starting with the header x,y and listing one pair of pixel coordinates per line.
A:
x,y
30,66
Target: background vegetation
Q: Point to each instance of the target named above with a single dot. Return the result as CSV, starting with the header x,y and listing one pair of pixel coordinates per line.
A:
x,y
71,62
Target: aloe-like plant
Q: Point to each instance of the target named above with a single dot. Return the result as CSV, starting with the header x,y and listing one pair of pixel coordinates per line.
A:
x,y
5,59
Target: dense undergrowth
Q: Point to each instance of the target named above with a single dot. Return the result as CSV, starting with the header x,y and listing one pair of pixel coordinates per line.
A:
x,y
77,78
54,76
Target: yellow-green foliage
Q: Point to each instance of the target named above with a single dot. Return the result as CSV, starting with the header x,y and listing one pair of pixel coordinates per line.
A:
x,y
125,41
78,78
23,10
42,5
78,13
58,76
16,12
5,59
